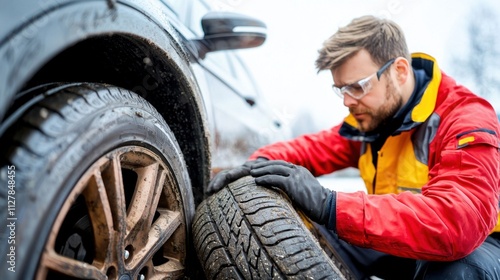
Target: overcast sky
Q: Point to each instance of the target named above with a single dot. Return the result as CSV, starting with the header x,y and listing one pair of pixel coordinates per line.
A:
x,y
284,65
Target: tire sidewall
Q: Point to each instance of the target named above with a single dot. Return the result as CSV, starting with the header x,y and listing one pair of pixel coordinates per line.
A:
x,y
247,231
96,134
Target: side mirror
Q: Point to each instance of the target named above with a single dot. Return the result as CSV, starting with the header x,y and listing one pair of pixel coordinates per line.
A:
x,y
229,31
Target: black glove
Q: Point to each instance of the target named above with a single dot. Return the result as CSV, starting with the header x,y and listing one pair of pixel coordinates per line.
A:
x,y
225,177
317,202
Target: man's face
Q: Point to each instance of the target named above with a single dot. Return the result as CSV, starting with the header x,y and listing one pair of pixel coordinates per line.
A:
x,y
380,103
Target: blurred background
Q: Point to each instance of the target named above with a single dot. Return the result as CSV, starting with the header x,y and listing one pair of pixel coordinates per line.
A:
x,y
461,35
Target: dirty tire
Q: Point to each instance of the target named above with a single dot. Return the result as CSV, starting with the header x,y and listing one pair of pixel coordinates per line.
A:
x,y
101,189
249,232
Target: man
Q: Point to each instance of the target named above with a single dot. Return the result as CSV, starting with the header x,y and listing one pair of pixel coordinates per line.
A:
x,y
427,150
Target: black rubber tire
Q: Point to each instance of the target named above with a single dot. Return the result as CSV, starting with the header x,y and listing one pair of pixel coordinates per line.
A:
x,y
57,140
249,232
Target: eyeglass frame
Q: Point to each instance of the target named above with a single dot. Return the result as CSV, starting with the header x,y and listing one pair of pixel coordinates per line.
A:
x,y
361,83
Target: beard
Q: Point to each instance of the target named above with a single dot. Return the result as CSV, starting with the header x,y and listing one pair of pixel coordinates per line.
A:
x,y
382,115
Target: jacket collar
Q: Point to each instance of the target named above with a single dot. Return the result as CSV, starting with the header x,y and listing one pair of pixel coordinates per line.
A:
x,y
422,101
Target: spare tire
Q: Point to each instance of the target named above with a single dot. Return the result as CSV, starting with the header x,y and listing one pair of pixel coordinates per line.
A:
x,y
249,232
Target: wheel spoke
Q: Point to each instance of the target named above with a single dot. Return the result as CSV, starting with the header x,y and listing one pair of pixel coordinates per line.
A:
x,y
160,232
71,267
144,202
112,178
100,216
172,269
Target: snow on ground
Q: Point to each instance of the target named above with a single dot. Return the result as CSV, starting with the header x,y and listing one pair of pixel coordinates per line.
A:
x,y
344,182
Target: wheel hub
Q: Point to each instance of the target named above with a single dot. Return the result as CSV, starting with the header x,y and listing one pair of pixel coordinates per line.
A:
x,y
137,218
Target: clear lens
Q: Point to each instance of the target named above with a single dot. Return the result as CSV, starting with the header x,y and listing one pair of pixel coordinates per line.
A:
x,y
365,85
360,88
338,91
356,90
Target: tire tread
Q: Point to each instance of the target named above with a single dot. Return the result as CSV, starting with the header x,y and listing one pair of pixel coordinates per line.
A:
x,y
256,232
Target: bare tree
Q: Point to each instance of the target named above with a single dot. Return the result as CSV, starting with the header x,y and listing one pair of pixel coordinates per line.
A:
x,y
480,63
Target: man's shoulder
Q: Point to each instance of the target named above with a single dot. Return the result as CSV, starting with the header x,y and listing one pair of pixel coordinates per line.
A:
x,y
458,107
454,97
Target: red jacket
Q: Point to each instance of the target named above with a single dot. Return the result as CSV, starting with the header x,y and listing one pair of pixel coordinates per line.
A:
x,y
440,200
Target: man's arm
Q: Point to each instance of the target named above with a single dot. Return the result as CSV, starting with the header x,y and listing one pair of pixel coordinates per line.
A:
x,y
457,208
321,153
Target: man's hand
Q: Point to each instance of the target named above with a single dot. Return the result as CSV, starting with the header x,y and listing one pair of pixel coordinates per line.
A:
x,y
227,176
302,187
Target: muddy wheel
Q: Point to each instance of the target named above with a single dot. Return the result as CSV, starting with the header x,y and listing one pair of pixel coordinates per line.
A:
x,y
250,232
102,190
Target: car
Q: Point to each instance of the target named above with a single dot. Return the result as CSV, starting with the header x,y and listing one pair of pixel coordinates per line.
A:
x,y
114,116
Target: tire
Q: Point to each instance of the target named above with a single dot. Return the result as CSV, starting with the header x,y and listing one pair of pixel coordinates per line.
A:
x,y
101,189
249,232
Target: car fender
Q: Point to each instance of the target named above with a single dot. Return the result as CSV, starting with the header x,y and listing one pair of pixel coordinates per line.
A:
x,y
40,30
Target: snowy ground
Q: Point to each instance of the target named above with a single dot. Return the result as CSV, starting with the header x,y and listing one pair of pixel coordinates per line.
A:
x,y
350,182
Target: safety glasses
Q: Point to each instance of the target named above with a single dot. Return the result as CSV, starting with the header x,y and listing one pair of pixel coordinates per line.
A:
x,y
362,87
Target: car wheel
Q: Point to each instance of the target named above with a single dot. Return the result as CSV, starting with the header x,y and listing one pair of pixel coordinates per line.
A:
x,y
102,190
249,232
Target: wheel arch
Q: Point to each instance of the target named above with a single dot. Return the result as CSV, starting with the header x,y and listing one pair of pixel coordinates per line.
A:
x,y
120,45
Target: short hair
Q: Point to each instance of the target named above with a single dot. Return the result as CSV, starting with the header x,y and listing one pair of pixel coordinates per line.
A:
x,y
382,38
